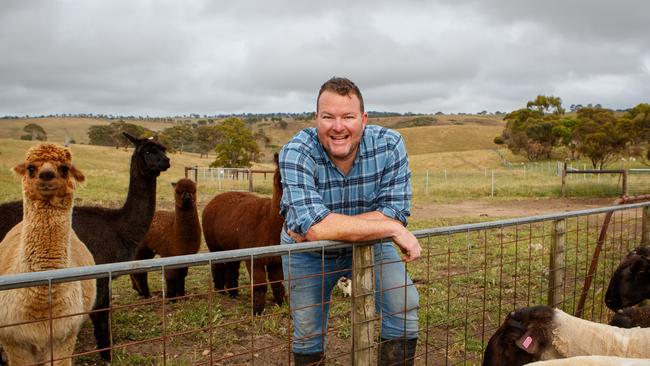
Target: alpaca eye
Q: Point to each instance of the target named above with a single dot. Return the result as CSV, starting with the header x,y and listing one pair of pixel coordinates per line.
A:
x,y
64,169
31,169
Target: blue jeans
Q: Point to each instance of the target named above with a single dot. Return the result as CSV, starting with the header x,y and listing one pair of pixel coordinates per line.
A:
x,y
311,279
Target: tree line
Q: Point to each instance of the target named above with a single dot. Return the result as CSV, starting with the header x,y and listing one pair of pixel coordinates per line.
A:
x,y
542,128
231,140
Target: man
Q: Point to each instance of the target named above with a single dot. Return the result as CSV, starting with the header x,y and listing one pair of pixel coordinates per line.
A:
x,y
347,181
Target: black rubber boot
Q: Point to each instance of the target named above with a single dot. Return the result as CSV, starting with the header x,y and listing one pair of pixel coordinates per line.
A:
x,y
397,352
313,359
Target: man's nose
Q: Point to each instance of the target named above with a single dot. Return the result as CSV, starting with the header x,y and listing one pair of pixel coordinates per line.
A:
x,y
338,123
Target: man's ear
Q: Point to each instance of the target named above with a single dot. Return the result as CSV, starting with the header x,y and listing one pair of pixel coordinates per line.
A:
x,y
20,169
77,174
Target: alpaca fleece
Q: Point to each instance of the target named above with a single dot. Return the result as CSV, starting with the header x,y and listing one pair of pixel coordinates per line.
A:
x,y
112,234
44,240
171,233
237,220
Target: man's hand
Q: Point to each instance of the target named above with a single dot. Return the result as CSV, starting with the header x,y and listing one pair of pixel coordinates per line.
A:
x,y
296,237
408,244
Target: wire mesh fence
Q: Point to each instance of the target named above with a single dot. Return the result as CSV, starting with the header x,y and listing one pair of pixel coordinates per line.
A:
x,y
523,181
468,278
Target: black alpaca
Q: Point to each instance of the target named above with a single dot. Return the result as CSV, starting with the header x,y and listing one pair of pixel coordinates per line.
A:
x,y
112,235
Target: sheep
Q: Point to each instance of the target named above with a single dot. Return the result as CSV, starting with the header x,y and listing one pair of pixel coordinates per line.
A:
x,y
542,333
593,361
630,282
237,220
631,317
112,235
171,233
44,240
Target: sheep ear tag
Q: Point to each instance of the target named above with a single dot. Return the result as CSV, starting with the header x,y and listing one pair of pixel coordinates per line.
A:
x,y
528,343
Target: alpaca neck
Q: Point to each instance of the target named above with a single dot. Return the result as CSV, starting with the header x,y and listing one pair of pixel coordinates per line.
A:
x,y
45,236
186,224
140,204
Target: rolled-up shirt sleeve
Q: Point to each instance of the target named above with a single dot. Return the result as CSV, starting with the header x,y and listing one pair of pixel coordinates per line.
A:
x,y
394,195
302,206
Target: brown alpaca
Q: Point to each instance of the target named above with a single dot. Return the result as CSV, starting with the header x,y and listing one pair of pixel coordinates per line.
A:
x,y
44,240
237,220
170,234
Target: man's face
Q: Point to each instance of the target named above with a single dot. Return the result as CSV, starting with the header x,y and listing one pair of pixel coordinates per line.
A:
x,y
340,125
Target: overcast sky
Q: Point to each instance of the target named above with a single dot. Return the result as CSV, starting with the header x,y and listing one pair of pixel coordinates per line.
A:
x,y
163,58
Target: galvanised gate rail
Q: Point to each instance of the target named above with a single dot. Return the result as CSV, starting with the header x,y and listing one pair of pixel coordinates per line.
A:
x,y
469,277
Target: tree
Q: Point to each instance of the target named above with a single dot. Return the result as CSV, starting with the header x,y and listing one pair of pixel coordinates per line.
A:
x,y
34,132
112,134
545,104
178,138
206,138
637,122
564,130
101,135
237,146
600,136
120,127
532,130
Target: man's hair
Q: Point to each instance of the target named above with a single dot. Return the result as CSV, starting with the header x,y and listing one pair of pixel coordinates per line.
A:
x,y
341,86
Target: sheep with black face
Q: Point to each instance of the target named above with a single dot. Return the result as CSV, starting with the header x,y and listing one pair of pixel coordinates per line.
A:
x,y
542,333
630,282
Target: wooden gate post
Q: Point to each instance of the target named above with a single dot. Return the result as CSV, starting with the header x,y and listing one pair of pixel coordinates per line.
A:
x,y
250,180
557,268
564,179
363,304
645,224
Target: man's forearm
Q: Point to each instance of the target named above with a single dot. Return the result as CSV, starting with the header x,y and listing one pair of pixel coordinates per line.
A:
x,y
368,226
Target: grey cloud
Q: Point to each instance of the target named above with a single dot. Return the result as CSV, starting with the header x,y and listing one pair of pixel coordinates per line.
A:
x,y
167,57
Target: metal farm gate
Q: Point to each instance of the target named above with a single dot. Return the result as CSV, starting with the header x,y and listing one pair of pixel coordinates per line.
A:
x,y
469,277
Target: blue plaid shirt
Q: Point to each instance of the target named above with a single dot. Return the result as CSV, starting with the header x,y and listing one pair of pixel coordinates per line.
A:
x,y
313,186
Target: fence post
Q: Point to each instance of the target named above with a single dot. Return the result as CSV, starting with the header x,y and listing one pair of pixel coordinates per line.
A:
x,y
556,266
645,223
426,184
196,173
564,179
250,180
624,182
492,192
363,304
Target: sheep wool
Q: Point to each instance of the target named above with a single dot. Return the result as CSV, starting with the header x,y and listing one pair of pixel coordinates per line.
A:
x,y
594,361
573,336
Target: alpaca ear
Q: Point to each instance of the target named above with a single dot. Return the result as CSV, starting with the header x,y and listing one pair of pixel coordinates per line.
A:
x,y
276,159
133,140
174,184
20,169
77,174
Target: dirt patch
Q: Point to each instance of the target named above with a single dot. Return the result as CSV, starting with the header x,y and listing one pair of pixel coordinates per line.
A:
x,y
515,208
